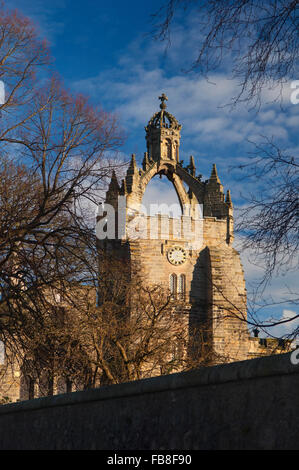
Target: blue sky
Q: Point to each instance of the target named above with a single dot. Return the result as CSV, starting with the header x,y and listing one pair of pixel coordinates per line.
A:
x,y
104,50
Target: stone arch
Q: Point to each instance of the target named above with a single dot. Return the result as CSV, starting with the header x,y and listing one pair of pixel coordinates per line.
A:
x,y
164,200
134,198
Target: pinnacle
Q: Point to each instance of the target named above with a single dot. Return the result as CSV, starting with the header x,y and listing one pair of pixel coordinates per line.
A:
x,y
228,199
214,174
133,166
191,167
133,160
114,186
145,161
192,164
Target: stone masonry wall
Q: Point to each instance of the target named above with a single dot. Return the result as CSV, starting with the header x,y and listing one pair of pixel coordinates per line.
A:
x,y
215,286
244,405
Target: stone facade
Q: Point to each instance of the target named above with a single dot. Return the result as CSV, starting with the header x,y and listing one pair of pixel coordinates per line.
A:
x,y
9,382
17,384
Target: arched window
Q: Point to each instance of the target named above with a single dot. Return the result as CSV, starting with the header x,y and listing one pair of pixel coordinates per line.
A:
x,y
169,149
173,284
182,285
176,149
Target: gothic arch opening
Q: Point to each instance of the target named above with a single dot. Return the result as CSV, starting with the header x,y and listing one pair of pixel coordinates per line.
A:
x,y
160,197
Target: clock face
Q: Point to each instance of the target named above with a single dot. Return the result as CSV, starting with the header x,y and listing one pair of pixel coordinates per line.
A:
x,y
176,255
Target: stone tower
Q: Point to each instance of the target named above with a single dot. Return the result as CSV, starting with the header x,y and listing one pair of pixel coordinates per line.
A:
x,y
192,256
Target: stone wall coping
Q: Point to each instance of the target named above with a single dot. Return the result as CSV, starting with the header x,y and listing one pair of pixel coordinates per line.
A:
x,y
236,371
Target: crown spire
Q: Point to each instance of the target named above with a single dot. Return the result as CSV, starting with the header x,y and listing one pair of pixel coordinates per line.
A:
x,y
162,135
163,119
163,98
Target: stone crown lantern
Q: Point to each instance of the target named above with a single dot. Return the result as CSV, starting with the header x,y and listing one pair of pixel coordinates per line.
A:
x,y
163,134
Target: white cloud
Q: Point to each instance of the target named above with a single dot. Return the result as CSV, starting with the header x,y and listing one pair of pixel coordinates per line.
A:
x,y
161,193
198,104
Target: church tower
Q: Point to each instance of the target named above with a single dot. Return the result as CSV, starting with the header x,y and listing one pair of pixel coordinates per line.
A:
x,y
191,256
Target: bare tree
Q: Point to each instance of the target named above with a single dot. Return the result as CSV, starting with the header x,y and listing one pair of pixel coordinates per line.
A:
x,y
54,149
142,330
132,331
268,226
270,221
261,39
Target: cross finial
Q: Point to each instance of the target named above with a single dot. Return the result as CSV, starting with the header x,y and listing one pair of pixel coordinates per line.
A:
x,y
163,98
